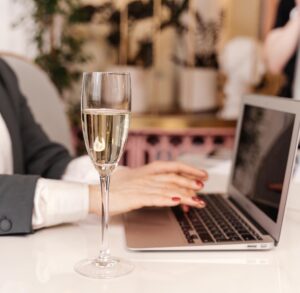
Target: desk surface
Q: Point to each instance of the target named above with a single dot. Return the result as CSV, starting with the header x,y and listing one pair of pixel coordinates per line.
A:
x,y
43,262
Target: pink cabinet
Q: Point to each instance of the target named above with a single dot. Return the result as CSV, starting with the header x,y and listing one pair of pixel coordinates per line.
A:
x,y
146,143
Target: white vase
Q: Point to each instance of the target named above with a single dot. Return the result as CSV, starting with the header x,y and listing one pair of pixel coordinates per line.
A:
x,y
139,81
198,89
161,91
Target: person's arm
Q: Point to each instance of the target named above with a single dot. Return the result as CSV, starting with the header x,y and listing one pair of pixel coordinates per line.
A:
x,y
57,202
156,184
41,156
37,156
281,43
131,188
16,203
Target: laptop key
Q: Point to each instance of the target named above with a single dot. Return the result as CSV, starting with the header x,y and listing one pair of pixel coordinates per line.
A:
x,y
202,231
220,238
205,238
247,237
234,238
216,222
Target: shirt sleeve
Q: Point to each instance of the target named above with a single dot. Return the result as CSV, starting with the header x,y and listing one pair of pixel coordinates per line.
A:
x,y
57,202
81,170
66,200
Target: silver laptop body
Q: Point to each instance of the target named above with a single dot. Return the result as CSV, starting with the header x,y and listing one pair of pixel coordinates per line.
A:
x,y
264,154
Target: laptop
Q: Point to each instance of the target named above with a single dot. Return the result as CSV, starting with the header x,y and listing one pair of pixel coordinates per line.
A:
x,y
249,215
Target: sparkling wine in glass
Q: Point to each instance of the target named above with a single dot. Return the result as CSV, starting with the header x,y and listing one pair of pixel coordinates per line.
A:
x,y
105,112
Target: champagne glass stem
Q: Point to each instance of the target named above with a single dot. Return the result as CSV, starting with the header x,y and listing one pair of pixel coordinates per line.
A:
x,y
104,254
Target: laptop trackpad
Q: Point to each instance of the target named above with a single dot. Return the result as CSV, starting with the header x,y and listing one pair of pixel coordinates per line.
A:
x,y
152,228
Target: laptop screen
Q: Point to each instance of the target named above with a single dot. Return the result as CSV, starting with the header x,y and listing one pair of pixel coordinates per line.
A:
x,y
262,156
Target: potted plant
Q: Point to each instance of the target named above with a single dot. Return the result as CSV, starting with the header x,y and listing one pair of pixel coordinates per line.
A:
x,y
198,62
138,50
134,30
130,50
133,50
57,48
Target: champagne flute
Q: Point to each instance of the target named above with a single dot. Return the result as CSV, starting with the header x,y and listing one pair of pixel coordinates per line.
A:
x,y
105,110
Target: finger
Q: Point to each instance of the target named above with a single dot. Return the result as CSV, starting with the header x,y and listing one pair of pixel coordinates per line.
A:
x,y
193,201
176,167
154,200
161,201
169,190
166,188
185,208
135,200
187,197
179,181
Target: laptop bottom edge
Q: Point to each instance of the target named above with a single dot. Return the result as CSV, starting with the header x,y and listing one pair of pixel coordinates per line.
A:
x,y
157,230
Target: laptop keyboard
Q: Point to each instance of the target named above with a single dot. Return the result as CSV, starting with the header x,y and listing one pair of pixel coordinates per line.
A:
x,y
217,222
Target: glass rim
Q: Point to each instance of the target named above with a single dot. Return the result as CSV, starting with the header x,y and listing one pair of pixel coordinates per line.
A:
x,y
106,73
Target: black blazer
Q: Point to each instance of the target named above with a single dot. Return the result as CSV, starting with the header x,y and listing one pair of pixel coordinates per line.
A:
x,y
34,156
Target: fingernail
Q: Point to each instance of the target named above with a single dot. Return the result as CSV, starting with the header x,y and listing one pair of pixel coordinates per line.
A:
x,y
199,183
202,204
175,198
198,200
185,208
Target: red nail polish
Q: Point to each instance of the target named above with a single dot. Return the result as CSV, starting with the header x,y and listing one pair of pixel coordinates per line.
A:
x,y
176,198
198,200
185,208
199,183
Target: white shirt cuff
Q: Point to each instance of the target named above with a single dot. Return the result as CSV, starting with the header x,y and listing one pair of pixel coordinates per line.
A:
x,y
82,170
57,202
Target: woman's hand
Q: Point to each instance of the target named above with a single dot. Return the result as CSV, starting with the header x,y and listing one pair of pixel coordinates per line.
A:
x,y
157,184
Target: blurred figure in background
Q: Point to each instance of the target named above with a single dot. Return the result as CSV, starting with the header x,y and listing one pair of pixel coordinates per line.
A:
x,y
282,45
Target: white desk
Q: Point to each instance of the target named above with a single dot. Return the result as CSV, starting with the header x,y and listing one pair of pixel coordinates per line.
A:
x,y
43,262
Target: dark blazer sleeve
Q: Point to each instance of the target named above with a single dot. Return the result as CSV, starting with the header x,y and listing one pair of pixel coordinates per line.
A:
x,y
16,203
40,158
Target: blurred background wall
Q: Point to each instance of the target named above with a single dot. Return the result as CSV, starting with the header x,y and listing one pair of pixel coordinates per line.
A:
x,y
13,38
184,56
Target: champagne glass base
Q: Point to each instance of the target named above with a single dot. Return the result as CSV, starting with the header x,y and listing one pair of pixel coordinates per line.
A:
x,y
112,268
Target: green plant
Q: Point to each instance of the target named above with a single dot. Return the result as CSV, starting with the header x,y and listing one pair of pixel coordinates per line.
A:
x,y
206,37
138,11
141,10
58,53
